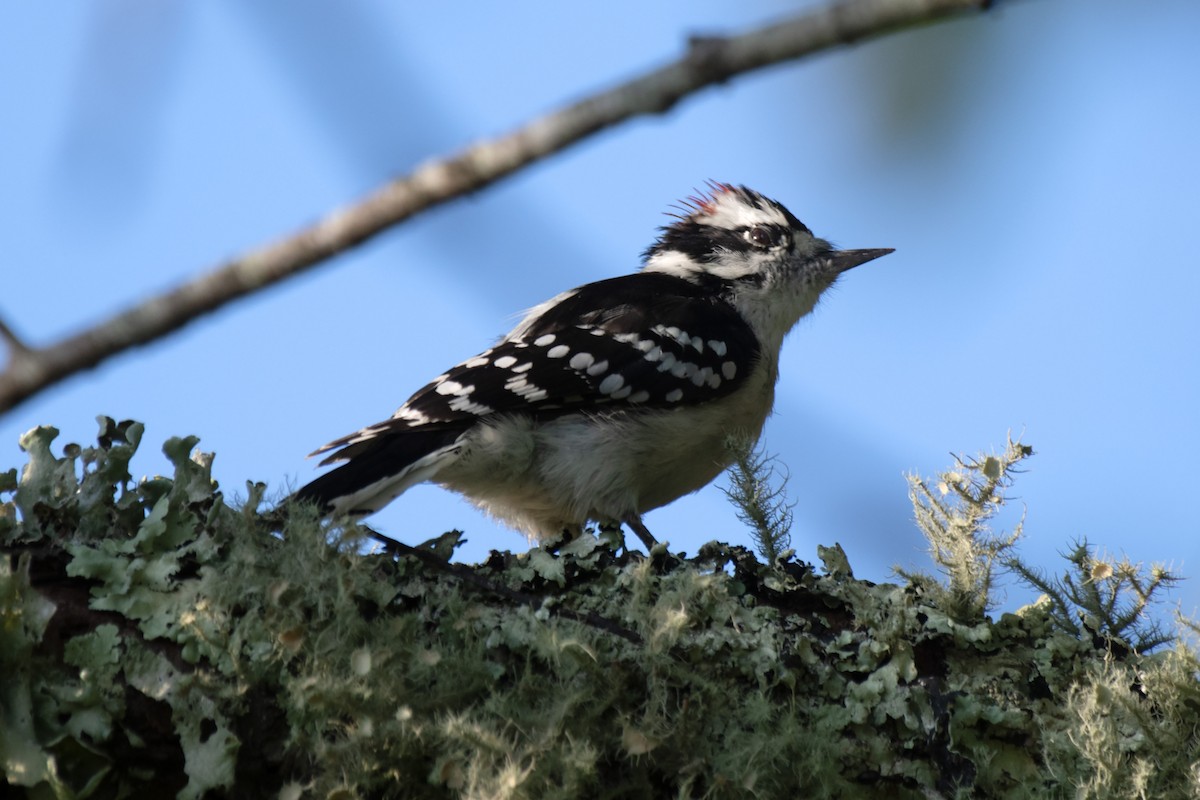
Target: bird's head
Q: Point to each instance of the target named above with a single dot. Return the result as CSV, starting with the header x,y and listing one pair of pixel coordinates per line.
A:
x,y
735,234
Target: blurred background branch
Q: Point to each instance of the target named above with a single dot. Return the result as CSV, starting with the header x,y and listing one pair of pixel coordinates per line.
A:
x,y
12,340
708,61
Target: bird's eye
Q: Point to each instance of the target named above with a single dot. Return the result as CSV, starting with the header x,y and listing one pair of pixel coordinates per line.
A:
x,y
761,236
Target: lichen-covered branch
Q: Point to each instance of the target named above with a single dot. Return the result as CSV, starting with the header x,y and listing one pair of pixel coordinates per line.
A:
x,y
708,61
156,642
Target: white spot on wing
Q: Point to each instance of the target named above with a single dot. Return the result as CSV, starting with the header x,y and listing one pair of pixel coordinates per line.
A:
x,y
611,383
544,340
477,361
504,362
639,396
523,388
674,396
464,403
684,369
448,387
582,361
598,367
718,347
410,415
729,369
558,351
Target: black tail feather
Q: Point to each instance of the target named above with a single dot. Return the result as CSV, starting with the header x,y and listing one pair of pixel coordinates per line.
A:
x,y
374,460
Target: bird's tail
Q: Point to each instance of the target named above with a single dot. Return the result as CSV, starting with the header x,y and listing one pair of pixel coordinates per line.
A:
x,y
379,470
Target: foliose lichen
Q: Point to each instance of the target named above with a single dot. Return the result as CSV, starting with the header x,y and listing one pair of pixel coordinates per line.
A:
x,y
158,641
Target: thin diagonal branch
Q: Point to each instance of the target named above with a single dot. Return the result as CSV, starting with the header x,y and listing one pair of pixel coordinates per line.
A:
x,y
708,61
15,345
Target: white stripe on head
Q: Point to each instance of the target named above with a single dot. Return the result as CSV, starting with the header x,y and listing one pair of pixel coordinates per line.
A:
x,y
732,207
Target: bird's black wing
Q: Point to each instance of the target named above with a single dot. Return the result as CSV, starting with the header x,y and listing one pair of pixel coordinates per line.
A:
x,y
647,340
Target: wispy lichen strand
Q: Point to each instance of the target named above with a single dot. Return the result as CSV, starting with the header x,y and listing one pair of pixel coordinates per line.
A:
x,y
1104,596
953,514
759,495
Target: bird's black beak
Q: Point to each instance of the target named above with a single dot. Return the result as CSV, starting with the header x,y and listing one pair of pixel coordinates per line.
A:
x,y
842,260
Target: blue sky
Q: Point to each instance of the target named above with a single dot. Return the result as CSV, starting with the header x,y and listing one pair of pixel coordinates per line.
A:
x,y
1035,169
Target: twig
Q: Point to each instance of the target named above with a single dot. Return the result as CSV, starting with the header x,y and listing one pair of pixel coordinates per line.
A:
x,y
709,60
16,347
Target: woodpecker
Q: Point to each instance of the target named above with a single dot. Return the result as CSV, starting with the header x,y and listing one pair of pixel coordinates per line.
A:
x,y
613,398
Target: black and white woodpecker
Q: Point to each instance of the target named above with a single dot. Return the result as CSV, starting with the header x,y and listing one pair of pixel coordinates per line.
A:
x,y
614,398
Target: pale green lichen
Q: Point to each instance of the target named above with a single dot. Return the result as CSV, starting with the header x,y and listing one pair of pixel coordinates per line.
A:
x,y
209,653
24,615
954,516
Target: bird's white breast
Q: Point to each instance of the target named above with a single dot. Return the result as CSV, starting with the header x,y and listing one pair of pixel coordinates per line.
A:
x,y
543,478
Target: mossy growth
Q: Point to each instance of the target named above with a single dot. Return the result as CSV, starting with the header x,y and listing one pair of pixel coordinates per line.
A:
x,y
156,641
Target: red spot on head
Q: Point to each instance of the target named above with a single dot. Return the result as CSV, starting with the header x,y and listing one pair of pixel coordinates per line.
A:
x,y
716,187
705,202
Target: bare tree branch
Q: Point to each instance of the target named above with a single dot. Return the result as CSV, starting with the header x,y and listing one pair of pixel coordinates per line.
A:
x,y
708,61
